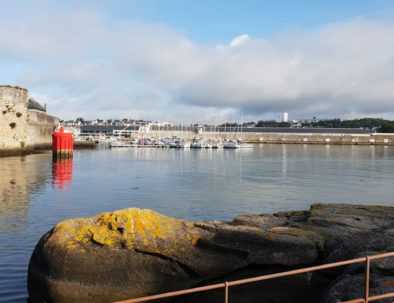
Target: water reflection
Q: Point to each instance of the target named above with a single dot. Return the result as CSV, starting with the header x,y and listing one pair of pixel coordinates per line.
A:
x,y
284,161
62,170
19,178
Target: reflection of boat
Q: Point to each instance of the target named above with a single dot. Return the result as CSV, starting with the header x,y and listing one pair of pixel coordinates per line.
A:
x,y
245,145
62,170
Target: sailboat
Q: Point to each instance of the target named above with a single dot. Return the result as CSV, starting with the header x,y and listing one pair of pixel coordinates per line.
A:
x,y
233,144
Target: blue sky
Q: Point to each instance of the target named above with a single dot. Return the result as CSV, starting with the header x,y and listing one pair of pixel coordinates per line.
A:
x,y
219,21
202,60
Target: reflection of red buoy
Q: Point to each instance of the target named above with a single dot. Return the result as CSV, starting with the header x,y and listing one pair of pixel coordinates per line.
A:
x,y
62,170
62,144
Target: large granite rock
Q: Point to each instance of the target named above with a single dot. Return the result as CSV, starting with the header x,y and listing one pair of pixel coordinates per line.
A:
x,y
137,252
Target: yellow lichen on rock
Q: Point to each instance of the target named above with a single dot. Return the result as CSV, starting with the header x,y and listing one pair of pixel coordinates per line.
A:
x,y
129,228
145,224
104,235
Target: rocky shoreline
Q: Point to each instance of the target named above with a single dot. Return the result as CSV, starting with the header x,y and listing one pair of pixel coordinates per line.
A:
x,y
136,252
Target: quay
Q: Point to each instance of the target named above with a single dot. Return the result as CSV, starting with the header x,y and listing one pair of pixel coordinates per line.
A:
x,y
139,146
257,135
280,138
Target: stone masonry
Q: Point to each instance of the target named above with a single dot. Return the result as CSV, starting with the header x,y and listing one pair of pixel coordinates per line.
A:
x,y
20,128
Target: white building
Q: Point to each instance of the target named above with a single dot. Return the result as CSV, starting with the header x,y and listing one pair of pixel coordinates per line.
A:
x,y
284,117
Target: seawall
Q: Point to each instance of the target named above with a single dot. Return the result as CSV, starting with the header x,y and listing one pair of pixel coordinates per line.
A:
x,y
281,138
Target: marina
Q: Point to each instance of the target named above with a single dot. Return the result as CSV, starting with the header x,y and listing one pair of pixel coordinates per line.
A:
x,y
174,142
216,137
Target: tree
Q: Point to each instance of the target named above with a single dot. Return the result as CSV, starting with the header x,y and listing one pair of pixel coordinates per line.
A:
x,y
387,128
262,123
80,120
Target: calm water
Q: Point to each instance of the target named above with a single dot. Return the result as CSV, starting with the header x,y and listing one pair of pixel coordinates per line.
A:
x,y
192,184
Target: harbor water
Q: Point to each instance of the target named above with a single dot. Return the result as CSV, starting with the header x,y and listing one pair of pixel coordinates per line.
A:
x,y
36,193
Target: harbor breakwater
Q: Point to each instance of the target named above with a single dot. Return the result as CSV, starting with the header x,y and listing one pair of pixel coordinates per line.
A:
x,y
280,138
136,252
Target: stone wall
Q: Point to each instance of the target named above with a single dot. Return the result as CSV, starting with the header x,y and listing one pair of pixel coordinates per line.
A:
x,y
22,129
39,129
282,138
13,117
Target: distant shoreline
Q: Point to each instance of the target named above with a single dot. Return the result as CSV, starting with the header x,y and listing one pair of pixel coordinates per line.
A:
x,y
377,139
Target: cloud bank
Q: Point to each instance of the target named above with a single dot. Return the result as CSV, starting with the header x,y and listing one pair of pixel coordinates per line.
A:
x,y
83,63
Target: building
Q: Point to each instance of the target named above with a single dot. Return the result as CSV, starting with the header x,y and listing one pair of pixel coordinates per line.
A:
x,y
284,117
24,123
108,130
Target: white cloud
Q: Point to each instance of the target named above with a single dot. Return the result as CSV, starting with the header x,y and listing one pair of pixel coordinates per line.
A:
x,y
239,40
88,65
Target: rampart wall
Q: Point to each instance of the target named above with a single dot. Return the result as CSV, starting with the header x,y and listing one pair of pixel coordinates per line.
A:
x,y
39,129
13,117
22,129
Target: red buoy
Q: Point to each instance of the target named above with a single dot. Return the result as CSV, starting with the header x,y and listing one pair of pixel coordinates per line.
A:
x,y
62,144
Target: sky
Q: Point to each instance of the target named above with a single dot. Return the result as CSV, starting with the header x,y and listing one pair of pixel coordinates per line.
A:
x,y
202,61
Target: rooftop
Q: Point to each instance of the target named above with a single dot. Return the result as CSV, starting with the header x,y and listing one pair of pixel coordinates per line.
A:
x,y
33,104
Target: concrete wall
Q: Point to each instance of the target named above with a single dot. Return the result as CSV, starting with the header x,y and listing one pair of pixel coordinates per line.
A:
x,y
283,138
20,128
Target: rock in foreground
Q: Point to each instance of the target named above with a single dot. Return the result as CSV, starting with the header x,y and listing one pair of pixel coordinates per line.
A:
x,y
136,252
